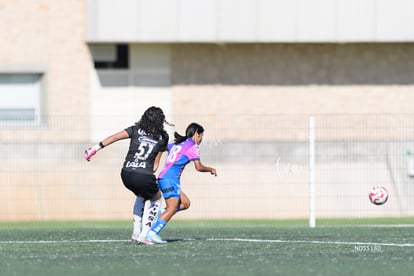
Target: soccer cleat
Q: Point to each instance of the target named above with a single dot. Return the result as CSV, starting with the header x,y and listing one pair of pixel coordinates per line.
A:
x,y
145,241
137,239
155,238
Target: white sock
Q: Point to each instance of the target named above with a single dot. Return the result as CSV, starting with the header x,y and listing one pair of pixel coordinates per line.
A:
x,y
150,216
138,212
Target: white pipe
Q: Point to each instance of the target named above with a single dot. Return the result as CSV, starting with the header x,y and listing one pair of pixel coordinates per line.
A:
x,y
312,223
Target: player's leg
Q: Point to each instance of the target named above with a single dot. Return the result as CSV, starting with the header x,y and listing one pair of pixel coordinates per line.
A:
x,y
171,190
151,192
144,186
184,202
137,216
130,181
172,204
150,214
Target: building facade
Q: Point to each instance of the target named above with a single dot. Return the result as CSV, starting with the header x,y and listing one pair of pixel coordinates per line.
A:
x,y
72,72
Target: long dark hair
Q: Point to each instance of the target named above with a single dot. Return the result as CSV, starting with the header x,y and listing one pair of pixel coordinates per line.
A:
x,y
152,121
192,129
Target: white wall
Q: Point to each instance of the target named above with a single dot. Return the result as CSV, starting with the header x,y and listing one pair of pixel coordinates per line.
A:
x,y
116,107
249,20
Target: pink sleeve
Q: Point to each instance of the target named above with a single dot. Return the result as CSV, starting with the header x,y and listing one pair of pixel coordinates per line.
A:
x,y
193,153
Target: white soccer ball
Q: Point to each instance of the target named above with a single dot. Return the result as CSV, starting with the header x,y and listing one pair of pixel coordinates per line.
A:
x,y
378,195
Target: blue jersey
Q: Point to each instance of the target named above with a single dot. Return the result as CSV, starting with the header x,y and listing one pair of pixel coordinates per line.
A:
x,y
179,155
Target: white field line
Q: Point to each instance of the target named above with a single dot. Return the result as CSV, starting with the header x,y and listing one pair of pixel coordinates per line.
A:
x,y
220,239
369,225
318,242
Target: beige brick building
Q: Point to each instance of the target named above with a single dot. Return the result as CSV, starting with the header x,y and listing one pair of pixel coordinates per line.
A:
x,y
234,80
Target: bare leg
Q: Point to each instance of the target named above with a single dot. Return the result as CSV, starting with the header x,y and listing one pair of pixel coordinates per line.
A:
x,y
172,204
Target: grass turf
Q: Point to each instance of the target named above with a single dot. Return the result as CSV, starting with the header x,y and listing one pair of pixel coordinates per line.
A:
x,y
334,247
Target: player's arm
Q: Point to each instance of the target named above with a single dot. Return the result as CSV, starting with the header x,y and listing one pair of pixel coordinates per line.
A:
x,y
157,161
201,168
105,142
115,137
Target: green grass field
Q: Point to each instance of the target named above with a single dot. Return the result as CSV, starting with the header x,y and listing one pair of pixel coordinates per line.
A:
x,y
334,247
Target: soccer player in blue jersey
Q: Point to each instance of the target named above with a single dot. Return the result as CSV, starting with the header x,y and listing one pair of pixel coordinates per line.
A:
x,y
184,150
148,140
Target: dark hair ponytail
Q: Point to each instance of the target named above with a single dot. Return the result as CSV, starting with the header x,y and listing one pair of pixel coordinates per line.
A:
x,y
192,129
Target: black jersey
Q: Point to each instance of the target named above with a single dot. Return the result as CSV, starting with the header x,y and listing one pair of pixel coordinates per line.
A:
x,y
143,149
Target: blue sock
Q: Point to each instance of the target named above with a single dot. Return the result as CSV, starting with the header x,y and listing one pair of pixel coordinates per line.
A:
x,y
139,206
158,226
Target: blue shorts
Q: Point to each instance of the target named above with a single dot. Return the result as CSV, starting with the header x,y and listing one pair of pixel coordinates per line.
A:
x,y
170,187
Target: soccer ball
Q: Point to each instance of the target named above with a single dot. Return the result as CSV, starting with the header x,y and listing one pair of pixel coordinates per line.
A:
x,y
378,195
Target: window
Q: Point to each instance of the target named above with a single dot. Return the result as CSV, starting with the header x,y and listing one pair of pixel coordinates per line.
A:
x,y
110,56
19,99
111,62
133,65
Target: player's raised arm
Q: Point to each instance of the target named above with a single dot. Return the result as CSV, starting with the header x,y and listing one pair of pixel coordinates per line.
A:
x,y
89,152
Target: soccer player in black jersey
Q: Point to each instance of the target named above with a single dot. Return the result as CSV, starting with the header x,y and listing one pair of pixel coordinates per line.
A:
x,y
148,140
